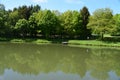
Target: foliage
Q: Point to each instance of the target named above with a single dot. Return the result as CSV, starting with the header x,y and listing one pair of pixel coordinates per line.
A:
x,y
67,23
4,26
85,20
13,18
48,22
72,23
34,29
101,21
31,21
116,29
25,12
22,26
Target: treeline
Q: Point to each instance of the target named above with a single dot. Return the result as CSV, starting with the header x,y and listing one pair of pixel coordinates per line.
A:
x,y
32,21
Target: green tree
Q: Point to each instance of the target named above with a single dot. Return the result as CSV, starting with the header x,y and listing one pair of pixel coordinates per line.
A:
x,y
116,29
34,9
66,19
48,22
26,11
4,27
77,23
59,28
72,23
85,32
101,21
1,19
34,29
1,26
22,27
13,18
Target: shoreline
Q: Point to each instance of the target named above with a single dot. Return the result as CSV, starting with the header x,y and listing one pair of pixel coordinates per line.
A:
x,y
96,43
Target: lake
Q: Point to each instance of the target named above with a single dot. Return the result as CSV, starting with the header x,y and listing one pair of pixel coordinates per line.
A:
x,y
57,62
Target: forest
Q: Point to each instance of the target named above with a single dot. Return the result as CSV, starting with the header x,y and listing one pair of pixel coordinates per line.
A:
x,y
33,22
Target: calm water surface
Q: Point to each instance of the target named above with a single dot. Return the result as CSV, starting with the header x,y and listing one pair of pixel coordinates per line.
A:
x,y
57,62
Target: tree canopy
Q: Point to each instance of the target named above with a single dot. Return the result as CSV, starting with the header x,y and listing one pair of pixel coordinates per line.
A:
x,y
32,21
116,29
101,21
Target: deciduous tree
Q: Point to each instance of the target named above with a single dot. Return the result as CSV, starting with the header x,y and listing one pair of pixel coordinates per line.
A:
x,y
22,27
101,21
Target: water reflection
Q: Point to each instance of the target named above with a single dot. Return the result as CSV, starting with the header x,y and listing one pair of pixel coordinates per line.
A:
x,y
57,62
42,76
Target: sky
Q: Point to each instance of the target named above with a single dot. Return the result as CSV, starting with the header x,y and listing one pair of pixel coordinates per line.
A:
x,y
64,5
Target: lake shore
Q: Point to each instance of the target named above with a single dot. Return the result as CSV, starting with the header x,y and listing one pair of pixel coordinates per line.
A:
x,y
94,43
59,41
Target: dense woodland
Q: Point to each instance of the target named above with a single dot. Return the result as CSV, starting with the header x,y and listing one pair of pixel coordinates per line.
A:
x,y
32,21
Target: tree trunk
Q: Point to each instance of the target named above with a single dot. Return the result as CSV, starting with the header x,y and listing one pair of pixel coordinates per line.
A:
x,y
102,35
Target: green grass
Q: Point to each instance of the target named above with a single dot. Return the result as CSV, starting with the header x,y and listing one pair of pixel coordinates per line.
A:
x,y
35,41
107,35
94,43
41,41
17,41
71,42
106,43
26,40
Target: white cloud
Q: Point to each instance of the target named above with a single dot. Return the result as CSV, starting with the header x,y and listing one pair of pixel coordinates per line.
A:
x,y
40,1
75,1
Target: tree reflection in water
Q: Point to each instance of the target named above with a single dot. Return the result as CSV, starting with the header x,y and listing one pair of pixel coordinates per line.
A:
x,y
56,60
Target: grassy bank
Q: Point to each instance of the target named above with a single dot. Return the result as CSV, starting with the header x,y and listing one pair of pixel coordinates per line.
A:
x,y
95,43
25,40
36,41
59,41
